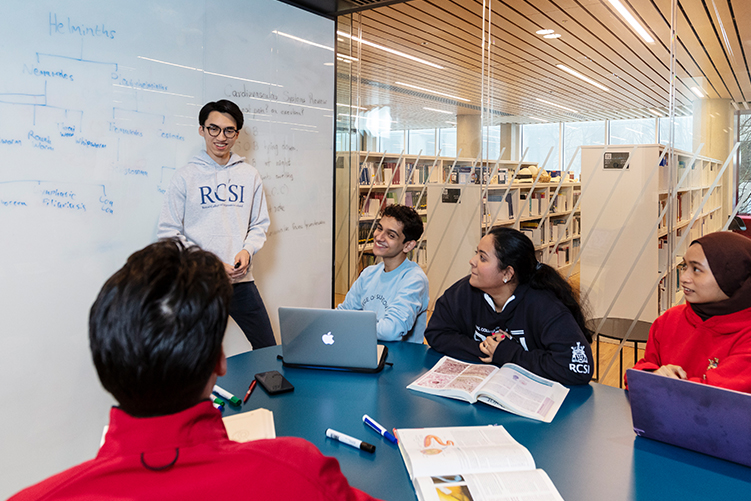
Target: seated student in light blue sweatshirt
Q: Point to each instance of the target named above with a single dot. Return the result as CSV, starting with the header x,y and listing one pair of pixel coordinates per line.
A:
x,y
396,289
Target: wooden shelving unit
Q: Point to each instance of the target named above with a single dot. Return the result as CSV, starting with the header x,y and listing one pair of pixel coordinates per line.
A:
x,y
459,200
632,221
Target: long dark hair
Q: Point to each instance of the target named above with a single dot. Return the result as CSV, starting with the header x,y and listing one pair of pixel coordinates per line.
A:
x,y
513,248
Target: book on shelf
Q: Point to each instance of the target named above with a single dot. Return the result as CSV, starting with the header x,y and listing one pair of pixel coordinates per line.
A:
x,y
535,230
472,463
576,225
560,203
563,255
499,209
465,174
371,205
558,229
510,387
662,254
411,173
538,203
365,235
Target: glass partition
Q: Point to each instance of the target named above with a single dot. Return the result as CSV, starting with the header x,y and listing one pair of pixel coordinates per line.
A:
x,y
636,107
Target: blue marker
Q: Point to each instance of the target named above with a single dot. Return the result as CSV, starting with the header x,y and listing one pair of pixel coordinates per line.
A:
x,y
378,428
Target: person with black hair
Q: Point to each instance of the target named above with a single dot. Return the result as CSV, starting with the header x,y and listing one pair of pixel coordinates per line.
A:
x,y
155,333
396,288
511,308
217,202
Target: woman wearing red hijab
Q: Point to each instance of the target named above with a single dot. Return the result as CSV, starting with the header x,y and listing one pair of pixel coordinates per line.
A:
x,y
708,339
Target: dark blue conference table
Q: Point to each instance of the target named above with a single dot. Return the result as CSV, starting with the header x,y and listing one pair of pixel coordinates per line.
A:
x,y
589,450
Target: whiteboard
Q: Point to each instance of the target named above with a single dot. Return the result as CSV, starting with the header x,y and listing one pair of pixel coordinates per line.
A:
x,y
98,107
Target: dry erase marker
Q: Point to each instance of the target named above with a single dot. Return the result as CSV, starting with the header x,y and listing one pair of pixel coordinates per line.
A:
x,y
346,439
250,390
229,396
216,400
217,406
378,428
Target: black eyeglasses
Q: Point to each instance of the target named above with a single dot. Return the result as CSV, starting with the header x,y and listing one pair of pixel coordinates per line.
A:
x,y
214,130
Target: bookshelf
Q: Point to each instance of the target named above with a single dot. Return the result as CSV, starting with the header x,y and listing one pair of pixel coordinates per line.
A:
x,y
626,267
459,200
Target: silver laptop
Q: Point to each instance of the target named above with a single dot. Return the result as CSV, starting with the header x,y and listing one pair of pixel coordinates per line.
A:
x,y
330,339
695,416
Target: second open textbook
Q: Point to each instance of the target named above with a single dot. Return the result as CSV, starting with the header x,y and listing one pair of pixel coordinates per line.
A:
x,y
510,387
472,463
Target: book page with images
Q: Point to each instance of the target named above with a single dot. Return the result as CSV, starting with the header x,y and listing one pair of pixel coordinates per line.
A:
x,y
453,378
517,390
462,449
534,485
253,425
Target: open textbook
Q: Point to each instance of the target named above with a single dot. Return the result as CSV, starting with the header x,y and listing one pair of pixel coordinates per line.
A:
x,y
510,387
472,463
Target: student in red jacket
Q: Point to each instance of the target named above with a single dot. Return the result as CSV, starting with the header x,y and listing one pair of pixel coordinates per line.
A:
x,y
708,339
155,333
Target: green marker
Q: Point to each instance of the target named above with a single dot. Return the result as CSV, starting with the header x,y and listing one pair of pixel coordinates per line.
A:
x,y
229,396
216,400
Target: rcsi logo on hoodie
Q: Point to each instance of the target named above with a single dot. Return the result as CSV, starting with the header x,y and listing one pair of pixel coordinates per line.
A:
x,y
223,193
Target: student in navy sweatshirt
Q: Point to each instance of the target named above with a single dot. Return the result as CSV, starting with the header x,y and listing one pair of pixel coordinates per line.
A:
x,y
512,308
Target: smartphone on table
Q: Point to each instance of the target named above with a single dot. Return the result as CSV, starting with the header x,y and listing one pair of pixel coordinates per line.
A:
x,y
273,382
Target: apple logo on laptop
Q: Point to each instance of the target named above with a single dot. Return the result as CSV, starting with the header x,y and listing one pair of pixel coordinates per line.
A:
x,y
328,338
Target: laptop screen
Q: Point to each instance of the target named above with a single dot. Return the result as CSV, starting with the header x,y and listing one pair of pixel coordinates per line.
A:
x,y
695,416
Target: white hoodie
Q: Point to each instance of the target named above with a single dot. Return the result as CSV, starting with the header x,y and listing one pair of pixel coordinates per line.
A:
x,y
221,208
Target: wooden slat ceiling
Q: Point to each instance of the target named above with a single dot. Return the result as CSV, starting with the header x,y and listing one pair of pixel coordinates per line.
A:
x,y
712,48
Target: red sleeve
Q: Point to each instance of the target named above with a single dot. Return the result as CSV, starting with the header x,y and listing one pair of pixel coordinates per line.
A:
x,y
651,359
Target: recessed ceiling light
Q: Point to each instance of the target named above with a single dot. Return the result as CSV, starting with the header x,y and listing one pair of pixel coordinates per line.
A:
x,y
540,119
302,40
554,35
351,106
655,112
632,21
438,111
392,51
432,91
579,75
544,32
696,91
556,105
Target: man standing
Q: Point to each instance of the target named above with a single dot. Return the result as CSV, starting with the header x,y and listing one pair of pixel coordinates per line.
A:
x,y
217,202
155,333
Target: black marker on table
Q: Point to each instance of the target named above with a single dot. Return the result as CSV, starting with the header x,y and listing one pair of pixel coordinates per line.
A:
x,y
352,441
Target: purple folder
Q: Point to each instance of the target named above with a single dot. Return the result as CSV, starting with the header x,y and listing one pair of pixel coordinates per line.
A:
x,y
695,416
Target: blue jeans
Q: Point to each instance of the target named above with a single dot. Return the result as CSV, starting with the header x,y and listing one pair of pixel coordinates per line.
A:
x,y
248,311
